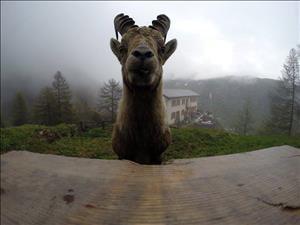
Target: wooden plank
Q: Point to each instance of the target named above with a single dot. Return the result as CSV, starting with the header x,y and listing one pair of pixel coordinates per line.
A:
x,y
261,187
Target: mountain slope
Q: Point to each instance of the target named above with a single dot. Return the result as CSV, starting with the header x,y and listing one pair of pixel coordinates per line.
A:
x,y
226,96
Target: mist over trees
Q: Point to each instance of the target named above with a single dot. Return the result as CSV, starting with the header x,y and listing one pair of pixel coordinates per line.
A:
x,y
224,97
56,103
244,123
53,104
273,105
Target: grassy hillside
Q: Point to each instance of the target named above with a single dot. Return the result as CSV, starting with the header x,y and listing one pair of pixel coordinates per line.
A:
x,y
195,142
96,143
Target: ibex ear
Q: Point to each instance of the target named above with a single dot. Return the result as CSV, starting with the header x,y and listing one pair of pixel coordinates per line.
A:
x,y
115,47
170,48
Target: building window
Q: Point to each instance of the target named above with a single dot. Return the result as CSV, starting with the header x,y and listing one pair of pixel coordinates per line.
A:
x,y
178,116
182,112
183,101
173,102
173,115
193,99
193,109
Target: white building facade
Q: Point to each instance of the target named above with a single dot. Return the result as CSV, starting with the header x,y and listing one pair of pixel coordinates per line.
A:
x,y
180,105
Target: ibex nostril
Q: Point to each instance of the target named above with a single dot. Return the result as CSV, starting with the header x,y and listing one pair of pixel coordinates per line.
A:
x,y
142,54
148,54
136,54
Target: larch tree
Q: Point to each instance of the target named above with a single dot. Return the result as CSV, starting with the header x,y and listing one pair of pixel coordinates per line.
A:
x,y
19,110
244,123
285,101
62,93
109,97
45,107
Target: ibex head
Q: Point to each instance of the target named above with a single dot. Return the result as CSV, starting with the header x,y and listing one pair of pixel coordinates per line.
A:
x,y
142,50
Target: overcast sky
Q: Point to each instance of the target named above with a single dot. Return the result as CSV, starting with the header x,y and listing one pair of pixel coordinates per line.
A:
x,y
214,38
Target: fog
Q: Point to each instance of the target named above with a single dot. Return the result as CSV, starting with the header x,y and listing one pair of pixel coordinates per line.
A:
x,y
214,39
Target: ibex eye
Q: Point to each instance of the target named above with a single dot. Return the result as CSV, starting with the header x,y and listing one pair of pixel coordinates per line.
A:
x,y
162,49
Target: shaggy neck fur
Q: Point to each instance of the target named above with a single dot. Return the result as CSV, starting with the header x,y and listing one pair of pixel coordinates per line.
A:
x,y
142,107
140,133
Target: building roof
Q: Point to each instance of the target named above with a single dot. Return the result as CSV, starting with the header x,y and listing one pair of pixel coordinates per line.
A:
x,y
176,93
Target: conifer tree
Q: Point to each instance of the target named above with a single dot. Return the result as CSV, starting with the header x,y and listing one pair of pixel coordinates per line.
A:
x,y
285,101
45,107
109,97
244,119
19,110
62,93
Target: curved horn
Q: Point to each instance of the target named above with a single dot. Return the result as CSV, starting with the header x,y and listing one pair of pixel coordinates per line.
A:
x,y
162,24
123,23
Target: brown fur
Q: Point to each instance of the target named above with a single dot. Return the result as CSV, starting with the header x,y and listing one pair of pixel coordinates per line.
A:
x,y
140,133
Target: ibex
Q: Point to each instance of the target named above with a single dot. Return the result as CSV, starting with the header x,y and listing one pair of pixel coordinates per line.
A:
x,y
140,133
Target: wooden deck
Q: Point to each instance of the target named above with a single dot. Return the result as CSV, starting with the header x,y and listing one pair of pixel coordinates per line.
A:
x,y
260,187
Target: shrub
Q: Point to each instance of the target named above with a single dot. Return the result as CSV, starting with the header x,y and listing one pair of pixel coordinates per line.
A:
x,y
18,138
98,132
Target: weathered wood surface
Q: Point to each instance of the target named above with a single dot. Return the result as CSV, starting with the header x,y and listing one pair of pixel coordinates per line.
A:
x,y
261,187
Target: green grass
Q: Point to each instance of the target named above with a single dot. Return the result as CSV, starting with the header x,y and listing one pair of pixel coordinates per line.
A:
x,y
195,142
96,143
